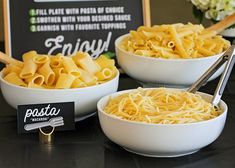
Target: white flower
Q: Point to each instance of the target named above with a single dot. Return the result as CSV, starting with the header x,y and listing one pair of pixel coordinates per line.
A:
x,y
215,9
201,4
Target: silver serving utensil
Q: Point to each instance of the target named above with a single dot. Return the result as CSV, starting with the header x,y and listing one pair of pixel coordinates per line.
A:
x,y
228,57
53,122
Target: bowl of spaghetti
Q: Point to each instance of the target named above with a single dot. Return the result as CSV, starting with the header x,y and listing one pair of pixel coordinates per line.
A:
x,y
160,122
174,55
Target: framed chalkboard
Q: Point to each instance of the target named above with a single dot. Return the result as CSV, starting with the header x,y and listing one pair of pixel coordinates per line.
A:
x,y
65,26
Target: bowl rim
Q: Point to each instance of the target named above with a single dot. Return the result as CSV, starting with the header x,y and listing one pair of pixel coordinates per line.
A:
x,y
101,111
59,90
120,38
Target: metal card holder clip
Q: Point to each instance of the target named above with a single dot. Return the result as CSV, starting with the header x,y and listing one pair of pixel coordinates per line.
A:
x,y
46,138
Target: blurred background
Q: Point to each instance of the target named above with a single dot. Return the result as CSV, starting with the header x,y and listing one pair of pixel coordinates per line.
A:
x,y
162,11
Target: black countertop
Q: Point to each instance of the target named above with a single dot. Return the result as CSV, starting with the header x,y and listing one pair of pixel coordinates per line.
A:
x,y
87,146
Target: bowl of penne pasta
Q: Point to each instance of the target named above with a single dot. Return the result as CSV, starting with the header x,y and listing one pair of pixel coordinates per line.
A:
x,y
161,122
51,79
174,55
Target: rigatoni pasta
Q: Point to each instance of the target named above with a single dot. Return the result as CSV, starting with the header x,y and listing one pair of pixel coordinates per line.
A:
x,y
29,55
60,72
174,41
29,69
56,61
13,78
33,85
70,66
104,62
78,83
37,79
104,74
85,61
48,73
65,81
40,59
11,68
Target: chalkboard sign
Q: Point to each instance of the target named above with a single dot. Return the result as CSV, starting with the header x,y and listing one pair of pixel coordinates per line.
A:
x,y
60,115
65,26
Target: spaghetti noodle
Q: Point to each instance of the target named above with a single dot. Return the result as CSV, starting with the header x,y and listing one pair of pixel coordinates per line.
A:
x,y
161,106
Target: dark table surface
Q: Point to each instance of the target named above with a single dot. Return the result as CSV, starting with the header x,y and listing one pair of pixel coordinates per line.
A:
x,y
87,146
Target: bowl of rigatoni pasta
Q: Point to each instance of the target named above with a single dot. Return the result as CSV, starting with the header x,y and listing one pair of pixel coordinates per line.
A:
x,y
174,55
46,79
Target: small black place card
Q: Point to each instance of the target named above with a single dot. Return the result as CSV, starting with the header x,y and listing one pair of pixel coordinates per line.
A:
x,y
34,116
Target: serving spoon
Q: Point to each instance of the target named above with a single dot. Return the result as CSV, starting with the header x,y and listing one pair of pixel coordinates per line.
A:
x,y
223,24
9,60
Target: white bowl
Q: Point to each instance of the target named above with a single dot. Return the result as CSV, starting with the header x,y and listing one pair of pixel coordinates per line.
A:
x,y
160,140
85,99
173,72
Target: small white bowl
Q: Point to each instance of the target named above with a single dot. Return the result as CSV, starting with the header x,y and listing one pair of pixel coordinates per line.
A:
x,y
172,72
85,99
160,140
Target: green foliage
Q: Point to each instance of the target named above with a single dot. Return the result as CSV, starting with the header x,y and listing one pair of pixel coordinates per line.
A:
x,y
110,55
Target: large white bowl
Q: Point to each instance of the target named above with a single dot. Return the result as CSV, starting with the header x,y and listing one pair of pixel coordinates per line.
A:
x,y
173,72
85,99
160,140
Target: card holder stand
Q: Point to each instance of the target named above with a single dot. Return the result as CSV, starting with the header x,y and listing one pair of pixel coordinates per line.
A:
x,y
46,138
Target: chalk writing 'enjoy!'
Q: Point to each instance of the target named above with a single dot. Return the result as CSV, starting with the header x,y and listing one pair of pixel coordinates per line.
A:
x,y
45,111
95,47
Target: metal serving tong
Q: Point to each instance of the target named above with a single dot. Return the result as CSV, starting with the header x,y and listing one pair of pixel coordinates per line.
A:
x,y
228,57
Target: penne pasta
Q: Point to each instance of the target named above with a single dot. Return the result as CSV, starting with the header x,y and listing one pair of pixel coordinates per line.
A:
x,y
205,51
170,44
176,40
148,34
207,34
167,54
143,52
185,33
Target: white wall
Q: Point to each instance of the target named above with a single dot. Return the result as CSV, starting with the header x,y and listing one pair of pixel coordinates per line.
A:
x,y
173,11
